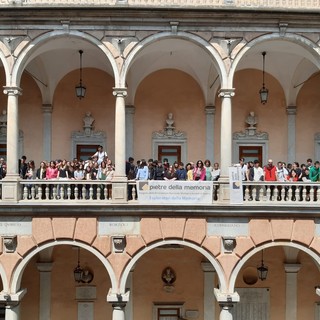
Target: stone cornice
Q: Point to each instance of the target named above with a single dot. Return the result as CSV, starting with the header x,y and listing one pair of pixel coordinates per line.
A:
x,y
156,16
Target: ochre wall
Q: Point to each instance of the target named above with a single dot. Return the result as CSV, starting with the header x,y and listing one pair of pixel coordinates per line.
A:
x,y
63,286
69,111
167,91
148,285
272,117
308,106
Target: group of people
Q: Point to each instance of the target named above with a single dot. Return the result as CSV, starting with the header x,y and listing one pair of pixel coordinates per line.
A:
x,y
100,167
97,167
158,170
281,172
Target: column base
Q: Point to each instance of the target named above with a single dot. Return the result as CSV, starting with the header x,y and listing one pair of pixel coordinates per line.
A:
x,y
119,190
11,189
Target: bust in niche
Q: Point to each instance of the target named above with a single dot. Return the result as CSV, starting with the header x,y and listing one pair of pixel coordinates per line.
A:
x,y
88,121
170,121
252,120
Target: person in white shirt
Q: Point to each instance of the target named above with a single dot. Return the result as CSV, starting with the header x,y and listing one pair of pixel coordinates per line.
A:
x,y
257,176
100,154
282,174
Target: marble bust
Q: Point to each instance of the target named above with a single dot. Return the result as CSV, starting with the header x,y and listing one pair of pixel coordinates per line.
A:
x,y
252,120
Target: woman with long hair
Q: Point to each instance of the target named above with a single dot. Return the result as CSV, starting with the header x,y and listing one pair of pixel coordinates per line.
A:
x,y
199,171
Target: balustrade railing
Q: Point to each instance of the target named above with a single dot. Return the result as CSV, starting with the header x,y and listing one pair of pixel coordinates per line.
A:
x,y
100,192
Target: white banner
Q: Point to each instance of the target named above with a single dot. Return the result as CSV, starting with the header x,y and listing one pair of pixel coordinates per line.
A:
x,y
175,192
235,180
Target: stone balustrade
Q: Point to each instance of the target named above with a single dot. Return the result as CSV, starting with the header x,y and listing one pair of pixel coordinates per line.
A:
x,y
214,4
100,192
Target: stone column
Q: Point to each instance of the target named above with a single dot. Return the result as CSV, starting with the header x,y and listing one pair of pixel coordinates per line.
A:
x,y
118,311
12,304
291,113
12,130
120,133
226,302
208,288
130,110
225,313
118,304
226,130
47,131
119,186
225,143
291,290
210,115
10,189
45,269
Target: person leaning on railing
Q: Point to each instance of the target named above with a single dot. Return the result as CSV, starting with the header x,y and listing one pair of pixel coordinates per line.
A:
x,y
51,173
255,174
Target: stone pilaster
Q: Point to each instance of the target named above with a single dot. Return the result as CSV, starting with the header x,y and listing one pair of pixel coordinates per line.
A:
x,y
130,110
291,290
291,115
208,288
210,115
47,131
45,269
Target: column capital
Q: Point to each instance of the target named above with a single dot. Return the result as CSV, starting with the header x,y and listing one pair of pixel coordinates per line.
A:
x,y
227,93
226,298
130,109
118,298
291,110
44,266
120,92
47,108
207,267
210,110
292,267
12,299
12,91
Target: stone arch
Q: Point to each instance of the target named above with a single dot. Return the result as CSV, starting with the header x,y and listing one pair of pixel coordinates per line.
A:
x,y
179,35
305,43
3,275
246,257
5,66
18,272
34,45
135,258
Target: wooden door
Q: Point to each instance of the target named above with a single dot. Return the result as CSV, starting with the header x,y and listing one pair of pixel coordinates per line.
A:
x,y
172,153
251,153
